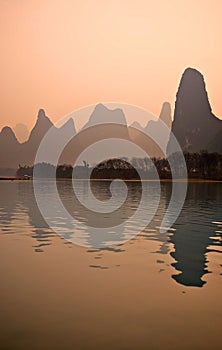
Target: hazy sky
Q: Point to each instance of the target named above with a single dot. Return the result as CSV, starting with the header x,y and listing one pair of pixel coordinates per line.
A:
x,y
63,54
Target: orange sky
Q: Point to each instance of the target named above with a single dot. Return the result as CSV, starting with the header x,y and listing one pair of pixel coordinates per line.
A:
x,y
63,54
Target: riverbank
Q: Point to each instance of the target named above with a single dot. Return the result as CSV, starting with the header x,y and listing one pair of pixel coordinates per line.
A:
x,y
14,178
110,179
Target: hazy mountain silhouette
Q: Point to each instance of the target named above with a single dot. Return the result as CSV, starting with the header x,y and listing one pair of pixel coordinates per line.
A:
x,y
137,125
153,128
103,124
134,133
29,148
42,125
9,148
102,115
21,131
165,114
7,135
13,153
194,125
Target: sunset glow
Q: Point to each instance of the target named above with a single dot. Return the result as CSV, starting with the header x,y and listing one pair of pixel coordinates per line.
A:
x,y
61,55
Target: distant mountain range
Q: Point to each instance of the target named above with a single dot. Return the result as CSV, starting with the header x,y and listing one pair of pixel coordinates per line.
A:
x,y
13,153
194,125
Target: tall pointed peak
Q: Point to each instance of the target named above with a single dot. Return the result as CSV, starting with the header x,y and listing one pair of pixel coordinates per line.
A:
x,y
165,114
192,98
194,124
192,71
191,77
42,125
43,119
69,124
41,114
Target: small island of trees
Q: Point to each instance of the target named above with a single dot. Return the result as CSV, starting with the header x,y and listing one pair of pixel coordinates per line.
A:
x,y
201,165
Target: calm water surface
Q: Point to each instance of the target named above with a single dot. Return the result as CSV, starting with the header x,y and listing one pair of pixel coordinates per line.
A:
x,y
156,291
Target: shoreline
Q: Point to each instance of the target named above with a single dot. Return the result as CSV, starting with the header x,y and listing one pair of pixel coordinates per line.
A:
x,y
109,180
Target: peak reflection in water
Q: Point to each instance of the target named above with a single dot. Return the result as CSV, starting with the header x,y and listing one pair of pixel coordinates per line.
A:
x,y
196,232
20,215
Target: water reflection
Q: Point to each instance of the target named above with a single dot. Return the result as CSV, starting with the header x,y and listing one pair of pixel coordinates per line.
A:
x,y
17,203
196,233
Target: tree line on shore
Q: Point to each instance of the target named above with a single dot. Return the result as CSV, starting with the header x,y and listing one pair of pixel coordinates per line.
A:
x,y
201,165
